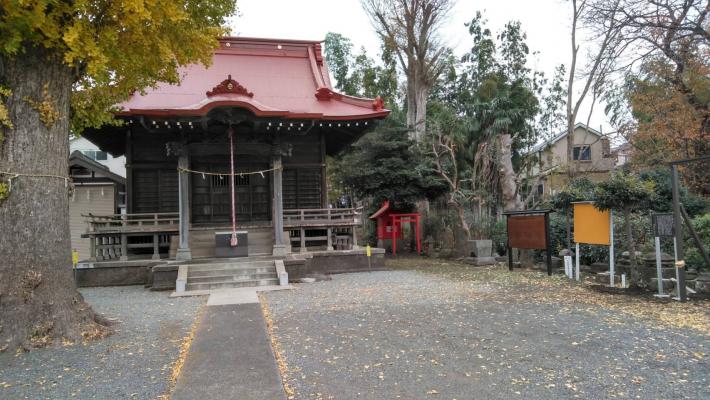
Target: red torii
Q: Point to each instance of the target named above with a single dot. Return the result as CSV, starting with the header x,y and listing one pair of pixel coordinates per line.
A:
x,y
389,225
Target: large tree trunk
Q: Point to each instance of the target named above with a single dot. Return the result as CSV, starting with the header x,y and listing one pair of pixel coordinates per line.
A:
x,y
509,188
421,95
571,162
461,213
417,94
38,297
411,106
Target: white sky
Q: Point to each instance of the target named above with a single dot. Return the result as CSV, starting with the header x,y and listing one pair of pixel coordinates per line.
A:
x,y
546,22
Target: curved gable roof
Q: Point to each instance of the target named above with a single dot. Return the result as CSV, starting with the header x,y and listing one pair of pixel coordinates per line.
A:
x,y
269,77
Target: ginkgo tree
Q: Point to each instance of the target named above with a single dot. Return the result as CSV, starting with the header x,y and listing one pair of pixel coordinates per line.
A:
x,y
64,65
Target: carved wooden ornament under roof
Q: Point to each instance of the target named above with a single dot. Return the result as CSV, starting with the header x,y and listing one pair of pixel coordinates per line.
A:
x,y
228,86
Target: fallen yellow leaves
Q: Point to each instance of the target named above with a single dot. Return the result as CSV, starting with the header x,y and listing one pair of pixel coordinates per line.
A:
x,y
276,346
534,286
184,348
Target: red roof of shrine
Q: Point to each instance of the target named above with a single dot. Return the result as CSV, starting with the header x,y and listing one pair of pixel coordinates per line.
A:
x,y
385,207
269,77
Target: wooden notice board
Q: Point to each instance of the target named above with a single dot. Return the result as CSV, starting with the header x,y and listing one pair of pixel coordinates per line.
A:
x,y
527,231
591,225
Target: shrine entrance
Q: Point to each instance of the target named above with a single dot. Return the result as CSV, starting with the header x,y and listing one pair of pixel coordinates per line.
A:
x,y
211,202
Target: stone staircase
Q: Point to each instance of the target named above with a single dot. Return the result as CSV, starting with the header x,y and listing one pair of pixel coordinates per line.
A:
x,y
229,273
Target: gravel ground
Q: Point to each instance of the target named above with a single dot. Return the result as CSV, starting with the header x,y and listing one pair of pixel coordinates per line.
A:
x,y
135,362
410,335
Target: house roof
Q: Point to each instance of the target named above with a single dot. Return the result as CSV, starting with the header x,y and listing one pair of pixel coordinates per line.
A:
x,y
543,145
269,77
77,158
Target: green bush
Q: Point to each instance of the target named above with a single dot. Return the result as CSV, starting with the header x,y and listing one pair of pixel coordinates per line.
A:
x,y
640,225
693,258
661,176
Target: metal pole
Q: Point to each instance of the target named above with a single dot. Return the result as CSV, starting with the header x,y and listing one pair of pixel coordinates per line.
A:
x,y
576,261
659,270
548,244
611,249
678,224
677,277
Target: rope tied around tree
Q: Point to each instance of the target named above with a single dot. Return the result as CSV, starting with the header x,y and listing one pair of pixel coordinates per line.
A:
x,y
5,191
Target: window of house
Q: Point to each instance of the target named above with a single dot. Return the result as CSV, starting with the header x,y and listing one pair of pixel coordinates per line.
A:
x,y
582,153
96,155
540,189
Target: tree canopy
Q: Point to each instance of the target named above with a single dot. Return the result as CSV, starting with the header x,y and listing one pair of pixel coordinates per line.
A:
x,y
114,47
382,165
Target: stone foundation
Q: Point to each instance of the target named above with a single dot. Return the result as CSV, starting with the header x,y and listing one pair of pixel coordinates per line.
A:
x,y
162,276
333,262
115,273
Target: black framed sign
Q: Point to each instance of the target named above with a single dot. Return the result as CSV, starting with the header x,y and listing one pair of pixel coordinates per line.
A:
x,y
663,224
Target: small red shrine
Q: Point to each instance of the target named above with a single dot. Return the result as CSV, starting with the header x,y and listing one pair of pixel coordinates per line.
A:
x,y
389,226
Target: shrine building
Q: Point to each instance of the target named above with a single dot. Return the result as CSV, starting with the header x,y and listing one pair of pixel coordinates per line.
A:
x,y
238,146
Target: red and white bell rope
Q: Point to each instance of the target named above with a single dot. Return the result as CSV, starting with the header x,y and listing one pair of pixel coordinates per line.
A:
x,y
233,241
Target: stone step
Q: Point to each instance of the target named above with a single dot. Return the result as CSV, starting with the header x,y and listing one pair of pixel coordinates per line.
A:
x,y
232,284
232,277
230,271
230,265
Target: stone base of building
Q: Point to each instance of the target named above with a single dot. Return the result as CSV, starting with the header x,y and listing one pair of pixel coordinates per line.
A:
x,y
115,273
333,262
161,275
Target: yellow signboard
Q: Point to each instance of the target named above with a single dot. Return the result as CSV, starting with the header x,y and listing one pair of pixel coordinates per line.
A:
x,y
591,225
369,250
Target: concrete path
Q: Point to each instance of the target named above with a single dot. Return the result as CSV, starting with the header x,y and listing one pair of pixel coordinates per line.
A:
x,y
230,356
210,292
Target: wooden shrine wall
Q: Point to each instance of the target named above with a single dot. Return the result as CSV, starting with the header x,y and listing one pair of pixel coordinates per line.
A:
x,y
153,179
304,172
152,176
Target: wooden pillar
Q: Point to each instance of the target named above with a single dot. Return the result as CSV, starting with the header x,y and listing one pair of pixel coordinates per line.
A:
x,y
323,173
92,248
278,214
128,188
394,235
330,234
418,235
355,246
183,251
124,248
303,241
156,246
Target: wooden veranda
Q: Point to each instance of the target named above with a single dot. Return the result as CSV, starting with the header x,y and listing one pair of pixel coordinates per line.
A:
x,y
118,236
